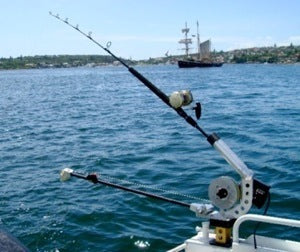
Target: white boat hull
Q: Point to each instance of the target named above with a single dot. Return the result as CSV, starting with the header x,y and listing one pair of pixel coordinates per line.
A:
x,y
201,242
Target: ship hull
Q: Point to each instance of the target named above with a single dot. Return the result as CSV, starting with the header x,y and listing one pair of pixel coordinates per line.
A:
x,y
195,63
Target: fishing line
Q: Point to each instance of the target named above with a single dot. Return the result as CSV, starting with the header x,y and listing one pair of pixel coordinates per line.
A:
x,y
93,178
155,188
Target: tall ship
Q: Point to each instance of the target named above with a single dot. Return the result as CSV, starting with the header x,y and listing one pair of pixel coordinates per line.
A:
x,y
203,55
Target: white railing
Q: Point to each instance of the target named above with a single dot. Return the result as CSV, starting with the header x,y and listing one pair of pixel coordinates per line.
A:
x,y
261,218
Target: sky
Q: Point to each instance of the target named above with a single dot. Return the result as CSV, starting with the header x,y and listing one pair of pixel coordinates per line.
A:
x,y
140,29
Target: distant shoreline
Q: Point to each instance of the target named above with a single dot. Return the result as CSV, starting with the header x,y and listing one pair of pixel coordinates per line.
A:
x,y
141,65
144,65
271,55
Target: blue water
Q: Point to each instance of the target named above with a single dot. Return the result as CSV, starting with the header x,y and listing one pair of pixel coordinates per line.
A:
x,y
103,120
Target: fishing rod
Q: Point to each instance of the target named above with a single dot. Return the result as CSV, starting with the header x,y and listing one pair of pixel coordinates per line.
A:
x,y
231,198
185,97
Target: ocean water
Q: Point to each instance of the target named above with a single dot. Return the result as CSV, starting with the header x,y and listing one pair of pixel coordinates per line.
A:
x,y
104,120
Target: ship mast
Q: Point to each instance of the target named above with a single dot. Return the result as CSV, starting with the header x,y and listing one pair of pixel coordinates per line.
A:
x,y
186,41
198,42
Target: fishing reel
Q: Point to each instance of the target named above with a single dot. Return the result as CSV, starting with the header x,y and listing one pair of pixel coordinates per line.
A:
x,y
235,199
182,98
224,192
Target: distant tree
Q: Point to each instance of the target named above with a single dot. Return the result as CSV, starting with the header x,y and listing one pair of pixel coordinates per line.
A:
x,y
240,59
273,59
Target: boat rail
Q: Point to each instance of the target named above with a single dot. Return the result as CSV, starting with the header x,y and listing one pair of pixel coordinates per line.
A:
x,y
240,244
261,218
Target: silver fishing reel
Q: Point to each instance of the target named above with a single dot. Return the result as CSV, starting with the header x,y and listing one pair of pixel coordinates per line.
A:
x,y
232,199
180,98
224,192
183,98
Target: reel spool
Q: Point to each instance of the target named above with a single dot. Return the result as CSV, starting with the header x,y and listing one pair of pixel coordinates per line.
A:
x,y
224,192
180,98
232,199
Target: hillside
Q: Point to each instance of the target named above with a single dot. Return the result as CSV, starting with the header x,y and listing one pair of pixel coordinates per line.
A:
x,y
276,55
56,61
282,55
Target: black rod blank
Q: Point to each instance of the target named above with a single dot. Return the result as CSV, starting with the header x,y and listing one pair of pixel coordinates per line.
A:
x,y
93,178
